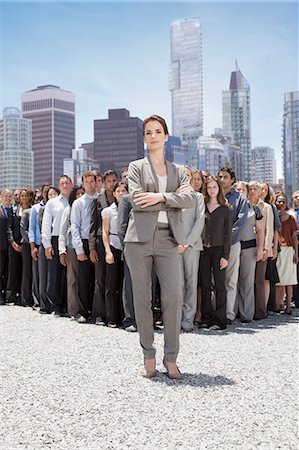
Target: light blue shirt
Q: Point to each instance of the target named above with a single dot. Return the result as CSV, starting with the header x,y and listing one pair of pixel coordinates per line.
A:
x,y
80,220
34,233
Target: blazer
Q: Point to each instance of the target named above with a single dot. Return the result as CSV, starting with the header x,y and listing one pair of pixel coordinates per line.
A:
x,y
4,228
95,229
194,220
124,209
143,221
24,226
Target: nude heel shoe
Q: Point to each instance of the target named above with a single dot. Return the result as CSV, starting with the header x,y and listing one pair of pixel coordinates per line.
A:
x,y
172,375
146,372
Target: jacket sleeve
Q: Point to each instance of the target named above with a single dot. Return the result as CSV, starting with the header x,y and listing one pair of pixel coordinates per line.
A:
x,y
24,226
123,213
47,225
180,201
227,234
195,233
242,213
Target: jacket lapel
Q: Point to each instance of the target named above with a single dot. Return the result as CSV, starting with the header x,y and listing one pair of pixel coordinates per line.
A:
x,y
151,173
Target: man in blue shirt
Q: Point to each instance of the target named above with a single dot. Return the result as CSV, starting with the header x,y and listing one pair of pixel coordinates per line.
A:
x,y
239,216
34,235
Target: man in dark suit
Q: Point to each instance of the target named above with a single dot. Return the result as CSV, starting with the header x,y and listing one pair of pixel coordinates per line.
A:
x,y
5,213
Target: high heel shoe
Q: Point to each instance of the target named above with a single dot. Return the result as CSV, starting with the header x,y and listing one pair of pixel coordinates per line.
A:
x,y
172,375
146,372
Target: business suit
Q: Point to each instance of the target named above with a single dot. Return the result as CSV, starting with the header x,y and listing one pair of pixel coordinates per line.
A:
x,y
26,286
14,258
148,244
193,225
3,252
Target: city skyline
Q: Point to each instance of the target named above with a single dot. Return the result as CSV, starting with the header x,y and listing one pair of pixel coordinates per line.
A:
x,y
116,55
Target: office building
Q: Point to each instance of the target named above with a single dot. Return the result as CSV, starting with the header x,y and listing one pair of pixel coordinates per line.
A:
x,y
52,111
185,82
236,117
264,164
16,156
118,140
78,164
232,152
174,151
211,154
290,142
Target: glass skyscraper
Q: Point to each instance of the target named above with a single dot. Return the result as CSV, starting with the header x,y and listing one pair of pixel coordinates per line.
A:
x,y
185,81
52,111
290,144
16,156
236,117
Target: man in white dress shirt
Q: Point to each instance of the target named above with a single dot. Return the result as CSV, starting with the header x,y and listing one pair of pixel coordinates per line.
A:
x,y
80,225
56,286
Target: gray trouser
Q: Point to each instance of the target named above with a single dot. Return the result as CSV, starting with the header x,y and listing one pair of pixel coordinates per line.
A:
x,y
73,302
161,253
245,295
231,280
190,263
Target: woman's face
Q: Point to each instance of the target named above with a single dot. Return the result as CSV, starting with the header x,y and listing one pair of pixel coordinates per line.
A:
x,y
119,192
241,187
52,193
281,203
24,198
264,191
154,135
253,193
188,173
212,189
197,181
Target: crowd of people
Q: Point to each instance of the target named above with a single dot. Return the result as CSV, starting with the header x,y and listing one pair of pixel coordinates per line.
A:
x,y
64,250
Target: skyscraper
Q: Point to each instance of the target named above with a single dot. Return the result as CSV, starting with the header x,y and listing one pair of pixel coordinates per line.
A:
x,y
236,117
52,111
290,143
264,164
16,156
185,80
118,140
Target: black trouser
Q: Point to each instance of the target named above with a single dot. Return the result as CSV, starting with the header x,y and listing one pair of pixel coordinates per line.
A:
x,y
98,307
114,281
56,283
210,260
14,275
26,286
3,274
45,303
85,283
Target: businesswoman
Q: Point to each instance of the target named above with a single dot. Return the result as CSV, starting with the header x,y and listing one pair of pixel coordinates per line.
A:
x,y
159,191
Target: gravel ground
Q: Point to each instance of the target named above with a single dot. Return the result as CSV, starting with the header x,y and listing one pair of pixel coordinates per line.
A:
x,y
65,385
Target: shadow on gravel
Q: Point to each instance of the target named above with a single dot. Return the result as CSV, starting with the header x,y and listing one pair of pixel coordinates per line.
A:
x,y
201,380
255,326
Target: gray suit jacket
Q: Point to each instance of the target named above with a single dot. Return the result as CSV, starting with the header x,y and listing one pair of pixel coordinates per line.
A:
x,y
194,220
143,221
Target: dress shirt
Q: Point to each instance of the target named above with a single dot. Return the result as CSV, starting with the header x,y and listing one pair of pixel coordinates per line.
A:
x,y
34,230
80,220
52,218
111,213
239,213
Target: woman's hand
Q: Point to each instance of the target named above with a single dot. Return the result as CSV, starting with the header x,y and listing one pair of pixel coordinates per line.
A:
x,y
259,254
295,259
94,256
223,263
144,199
109,258
265,254
16,247
181,248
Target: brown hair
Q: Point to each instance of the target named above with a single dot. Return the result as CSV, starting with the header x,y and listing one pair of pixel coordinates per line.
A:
x,y
220,197
158,119
30,193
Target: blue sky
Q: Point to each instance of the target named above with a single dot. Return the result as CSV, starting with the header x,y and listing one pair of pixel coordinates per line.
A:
x,y
116,55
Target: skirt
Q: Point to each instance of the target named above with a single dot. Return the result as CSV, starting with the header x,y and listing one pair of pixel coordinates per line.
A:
x,y
287,270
